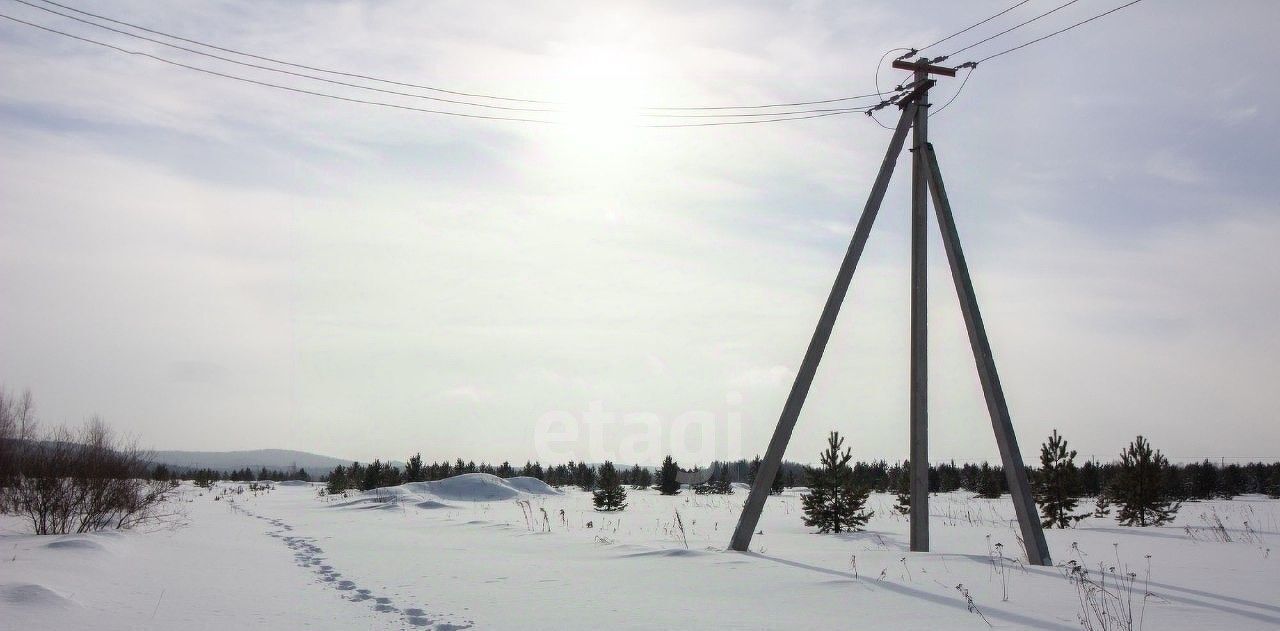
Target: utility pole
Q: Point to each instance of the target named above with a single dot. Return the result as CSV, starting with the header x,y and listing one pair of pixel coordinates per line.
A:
x,y
919,441
926,185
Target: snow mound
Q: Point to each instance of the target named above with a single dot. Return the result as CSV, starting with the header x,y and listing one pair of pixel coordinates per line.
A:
x,y
74,544
293,483
533,486
431,504
32,595
469,487
668,552
473,487
740,486
378,498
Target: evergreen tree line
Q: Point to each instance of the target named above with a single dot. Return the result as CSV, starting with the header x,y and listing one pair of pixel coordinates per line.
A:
x,y
163,472
1203,480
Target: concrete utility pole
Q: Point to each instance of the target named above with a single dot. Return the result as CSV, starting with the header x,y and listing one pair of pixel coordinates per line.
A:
x,y
920,323
926,183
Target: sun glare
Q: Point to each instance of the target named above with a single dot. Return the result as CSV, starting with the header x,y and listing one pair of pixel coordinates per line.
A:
x,y
600,88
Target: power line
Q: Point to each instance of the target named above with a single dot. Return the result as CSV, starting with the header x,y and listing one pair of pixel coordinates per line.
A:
x,y
779,116
263,83
418,86
280,70
398,93
910,51
1014,27
957,94
751,122
1058,32
969,28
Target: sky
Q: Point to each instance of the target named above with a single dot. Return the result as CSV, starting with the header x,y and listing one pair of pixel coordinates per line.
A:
x,y
212,265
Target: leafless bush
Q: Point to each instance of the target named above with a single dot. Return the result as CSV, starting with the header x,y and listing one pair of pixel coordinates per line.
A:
x,y
82,481
16,426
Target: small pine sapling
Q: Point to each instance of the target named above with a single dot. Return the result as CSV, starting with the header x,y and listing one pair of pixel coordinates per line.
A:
x,y
902,490
834,503
668,482
611,496
1057,484
1137,490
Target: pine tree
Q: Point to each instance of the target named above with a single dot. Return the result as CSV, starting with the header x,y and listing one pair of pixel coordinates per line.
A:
x,y
1101,508
1090,479
203,478
668,483
611,496
702,488
1137,488
637,477
834,503
902,489
1230,482
413,469
372,475
641,478
776,487
1058,484
390,476
989,482
1205,482
586,477
717,484
1273,484
337,481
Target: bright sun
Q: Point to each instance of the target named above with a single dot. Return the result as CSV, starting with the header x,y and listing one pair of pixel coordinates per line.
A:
x,y
600,88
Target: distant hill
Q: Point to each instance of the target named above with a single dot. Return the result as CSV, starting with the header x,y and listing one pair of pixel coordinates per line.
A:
x,y
274,459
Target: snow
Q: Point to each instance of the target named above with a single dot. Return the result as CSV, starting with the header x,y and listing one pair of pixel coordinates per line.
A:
x,y
476,487
481,552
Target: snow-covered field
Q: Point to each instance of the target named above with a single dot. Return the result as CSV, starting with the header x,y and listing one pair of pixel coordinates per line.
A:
x,y
476,551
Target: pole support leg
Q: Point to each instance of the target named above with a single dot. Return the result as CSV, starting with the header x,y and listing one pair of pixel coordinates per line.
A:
x,y
818,343
1015,473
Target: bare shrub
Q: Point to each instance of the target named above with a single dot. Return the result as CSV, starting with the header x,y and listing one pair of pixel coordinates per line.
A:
x,y
82,481
17,423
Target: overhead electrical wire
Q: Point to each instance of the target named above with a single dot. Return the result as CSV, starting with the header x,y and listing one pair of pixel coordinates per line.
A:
x,y
396,92
263,83
281,70
778,116
1014,27
956,95
972,65
1058,32
969,28
287,63
707,112
910,51
419,86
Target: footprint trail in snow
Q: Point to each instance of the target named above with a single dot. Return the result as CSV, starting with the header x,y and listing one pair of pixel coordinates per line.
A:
x,y
310,556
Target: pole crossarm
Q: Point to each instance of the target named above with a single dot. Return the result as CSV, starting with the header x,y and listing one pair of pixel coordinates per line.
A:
x,y
923,66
